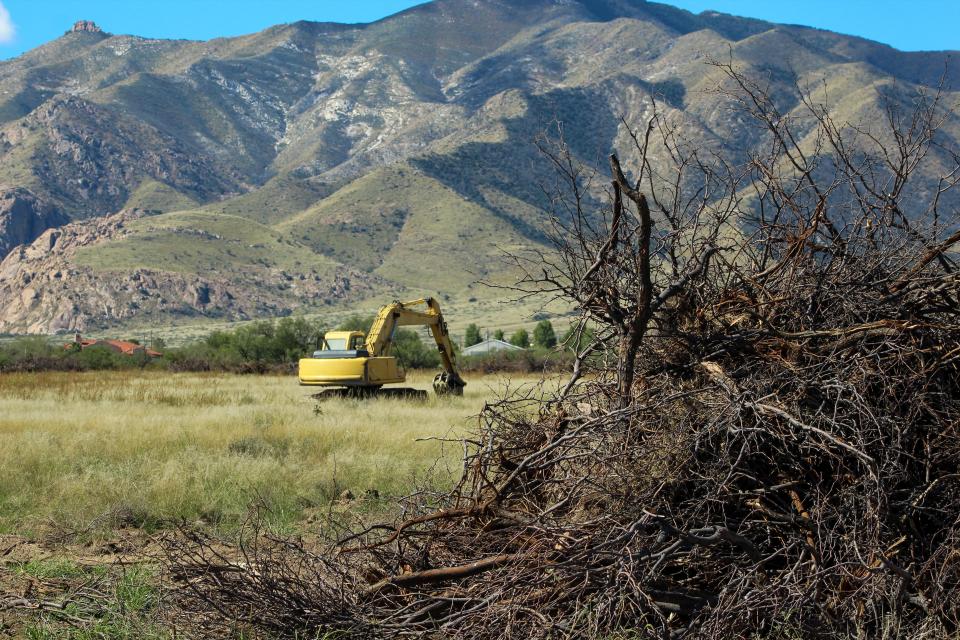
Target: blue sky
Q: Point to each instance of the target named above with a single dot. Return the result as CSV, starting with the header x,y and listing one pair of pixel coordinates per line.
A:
x,y
24,24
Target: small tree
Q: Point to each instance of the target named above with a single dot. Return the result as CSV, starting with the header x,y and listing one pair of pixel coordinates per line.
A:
x,y
472,336
544,336
520,338
498,334
412,351
356,323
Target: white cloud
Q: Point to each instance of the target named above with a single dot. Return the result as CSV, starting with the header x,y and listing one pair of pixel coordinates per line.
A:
x,y
7,28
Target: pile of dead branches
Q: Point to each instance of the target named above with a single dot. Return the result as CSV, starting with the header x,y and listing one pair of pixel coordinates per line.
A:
x,y
762,440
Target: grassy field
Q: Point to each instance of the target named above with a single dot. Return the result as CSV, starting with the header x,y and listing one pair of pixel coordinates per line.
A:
x,y
89,453
92,464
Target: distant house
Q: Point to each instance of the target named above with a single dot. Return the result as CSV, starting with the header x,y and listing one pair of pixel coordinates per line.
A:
x,y
120,346
488,346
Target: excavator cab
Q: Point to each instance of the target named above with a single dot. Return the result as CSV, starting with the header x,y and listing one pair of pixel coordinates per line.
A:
x,y
343,344
359,365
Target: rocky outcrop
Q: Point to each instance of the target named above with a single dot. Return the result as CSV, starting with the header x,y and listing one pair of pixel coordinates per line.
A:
x,y
85,26
23,217
43,289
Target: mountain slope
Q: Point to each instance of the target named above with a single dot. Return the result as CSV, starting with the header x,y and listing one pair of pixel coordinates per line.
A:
x,y
95,272
399,151
408,227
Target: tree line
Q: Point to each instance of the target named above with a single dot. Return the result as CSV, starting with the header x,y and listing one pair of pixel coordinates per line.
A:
x,y
544,336
267,346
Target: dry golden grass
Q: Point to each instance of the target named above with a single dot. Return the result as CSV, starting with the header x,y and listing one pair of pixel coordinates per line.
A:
x,y
93,451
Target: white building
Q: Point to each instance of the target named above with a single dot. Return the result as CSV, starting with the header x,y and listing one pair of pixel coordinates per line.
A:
x,y
489,345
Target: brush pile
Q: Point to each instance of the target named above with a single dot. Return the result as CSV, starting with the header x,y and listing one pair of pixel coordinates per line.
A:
x,y
762,440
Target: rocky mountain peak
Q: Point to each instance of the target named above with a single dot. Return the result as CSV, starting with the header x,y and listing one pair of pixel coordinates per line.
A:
x,y
85,26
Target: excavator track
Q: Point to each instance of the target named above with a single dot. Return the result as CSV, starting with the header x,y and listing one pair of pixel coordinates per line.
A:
x,y
404,393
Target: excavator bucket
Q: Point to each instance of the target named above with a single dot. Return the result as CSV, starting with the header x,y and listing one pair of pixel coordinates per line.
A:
x,y
446,383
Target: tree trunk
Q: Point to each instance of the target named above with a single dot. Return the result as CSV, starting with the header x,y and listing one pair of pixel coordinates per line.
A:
x,y
639,315
627,364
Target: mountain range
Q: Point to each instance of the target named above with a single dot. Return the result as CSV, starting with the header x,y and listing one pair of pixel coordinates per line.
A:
x,y
316,165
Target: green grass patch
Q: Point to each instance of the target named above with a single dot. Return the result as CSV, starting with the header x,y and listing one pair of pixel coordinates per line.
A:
x,y
199,242
126,615
157,196
281,197
409,228
52,568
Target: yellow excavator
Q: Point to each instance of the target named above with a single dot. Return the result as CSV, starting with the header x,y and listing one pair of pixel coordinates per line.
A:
x,y
354,365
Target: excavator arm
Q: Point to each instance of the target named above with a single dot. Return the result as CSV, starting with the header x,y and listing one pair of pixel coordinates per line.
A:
x,y
404,314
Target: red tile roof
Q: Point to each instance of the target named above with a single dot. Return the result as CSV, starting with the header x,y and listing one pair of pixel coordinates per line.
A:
x,y
120,346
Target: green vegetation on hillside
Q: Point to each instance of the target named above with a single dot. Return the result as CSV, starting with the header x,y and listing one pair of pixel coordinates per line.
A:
x,y
281,197
408,228
157,196
198,242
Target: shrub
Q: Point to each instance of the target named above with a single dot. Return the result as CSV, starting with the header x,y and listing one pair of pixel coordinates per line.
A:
x,y
98,358
520,338
575,343
255,347
357,323
412,352
33,353
525,361
472,335
544,336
